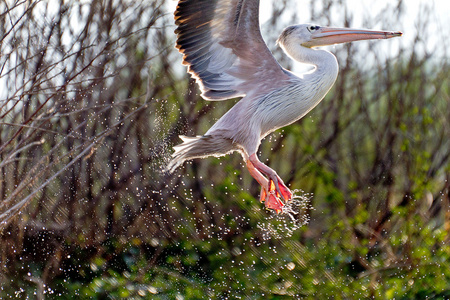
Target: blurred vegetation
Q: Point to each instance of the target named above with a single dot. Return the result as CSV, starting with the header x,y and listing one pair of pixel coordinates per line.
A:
x,y
93,98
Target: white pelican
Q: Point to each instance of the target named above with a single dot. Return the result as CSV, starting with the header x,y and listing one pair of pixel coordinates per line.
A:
x,y
223,48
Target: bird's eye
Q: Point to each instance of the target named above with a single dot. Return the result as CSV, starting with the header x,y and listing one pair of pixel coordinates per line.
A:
x,y
313,28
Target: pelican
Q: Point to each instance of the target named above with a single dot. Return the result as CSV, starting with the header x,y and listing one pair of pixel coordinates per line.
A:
x,y
224,51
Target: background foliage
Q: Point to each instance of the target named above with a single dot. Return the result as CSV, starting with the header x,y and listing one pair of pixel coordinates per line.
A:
x,y
93,98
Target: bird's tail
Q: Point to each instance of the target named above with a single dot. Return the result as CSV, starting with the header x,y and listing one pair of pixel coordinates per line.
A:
x,y
199,147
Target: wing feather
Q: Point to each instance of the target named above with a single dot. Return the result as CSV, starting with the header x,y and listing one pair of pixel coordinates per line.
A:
x,y
223,48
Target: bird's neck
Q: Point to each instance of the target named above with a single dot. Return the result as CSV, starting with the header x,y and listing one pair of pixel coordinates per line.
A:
x,y
326,66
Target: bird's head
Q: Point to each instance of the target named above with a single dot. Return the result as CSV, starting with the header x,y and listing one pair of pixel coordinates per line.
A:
x,y
310,35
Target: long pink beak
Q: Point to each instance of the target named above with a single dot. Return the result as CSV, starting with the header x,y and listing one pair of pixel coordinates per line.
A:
x,y
330,36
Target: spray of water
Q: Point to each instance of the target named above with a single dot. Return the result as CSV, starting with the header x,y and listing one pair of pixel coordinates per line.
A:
x,y
293,216
162,147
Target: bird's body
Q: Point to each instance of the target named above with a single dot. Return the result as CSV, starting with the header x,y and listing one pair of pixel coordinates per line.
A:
x,y
256,116
224,51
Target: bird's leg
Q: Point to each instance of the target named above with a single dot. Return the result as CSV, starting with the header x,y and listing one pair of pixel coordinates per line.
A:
x,y
275,182
263,182
267,192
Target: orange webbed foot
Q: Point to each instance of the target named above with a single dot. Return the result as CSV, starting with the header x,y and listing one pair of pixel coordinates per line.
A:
x,y
272,197
274,203
286,193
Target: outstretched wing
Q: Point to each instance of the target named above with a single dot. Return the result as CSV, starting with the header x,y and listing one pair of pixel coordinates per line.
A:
x,y
223,48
